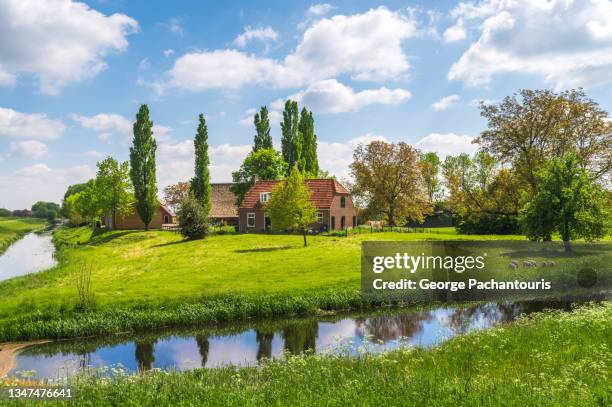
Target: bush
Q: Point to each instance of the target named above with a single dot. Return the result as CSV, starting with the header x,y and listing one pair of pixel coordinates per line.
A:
x,y
485,224
4,212
192,219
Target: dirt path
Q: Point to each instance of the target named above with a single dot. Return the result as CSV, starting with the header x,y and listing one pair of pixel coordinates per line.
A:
x,y
8,352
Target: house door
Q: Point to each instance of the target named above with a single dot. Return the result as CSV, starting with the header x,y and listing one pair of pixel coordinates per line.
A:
x,y
267,223
354,221
342,223
333,223
166,219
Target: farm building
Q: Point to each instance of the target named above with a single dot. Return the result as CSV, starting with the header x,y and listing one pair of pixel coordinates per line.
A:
x,y
132,220
223,210
335,209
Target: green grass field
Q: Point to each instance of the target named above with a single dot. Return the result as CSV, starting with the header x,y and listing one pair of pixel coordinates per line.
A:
x,y
11,229
548,359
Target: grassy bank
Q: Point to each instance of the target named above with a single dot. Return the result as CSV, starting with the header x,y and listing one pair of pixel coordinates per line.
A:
x,y
548,359
12,229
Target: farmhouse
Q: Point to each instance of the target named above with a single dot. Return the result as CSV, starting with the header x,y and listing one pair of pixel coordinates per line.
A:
x,y
335,209
132,220
223,209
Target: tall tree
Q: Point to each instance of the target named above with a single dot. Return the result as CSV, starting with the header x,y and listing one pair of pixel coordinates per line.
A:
x,y
175,194
263,139
142,166
430,166
567,201
290,207
264,164
309,162
113,187
388,178
200,183
291,140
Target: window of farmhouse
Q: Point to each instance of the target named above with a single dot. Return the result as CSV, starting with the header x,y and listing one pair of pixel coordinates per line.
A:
x,y
342,202
319,217
264,197
250,220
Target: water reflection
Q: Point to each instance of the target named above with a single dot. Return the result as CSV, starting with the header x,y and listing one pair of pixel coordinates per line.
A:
x,y
246,345
32,253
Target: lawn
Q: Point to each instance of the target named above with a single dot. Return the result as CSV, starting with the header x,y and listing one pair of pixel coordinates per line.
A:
x,y
548,359
11,229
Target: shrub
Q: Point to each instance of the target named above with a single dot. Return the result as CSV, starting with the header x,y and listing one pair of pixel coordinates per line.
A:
x,y
192,219
485,224
4,212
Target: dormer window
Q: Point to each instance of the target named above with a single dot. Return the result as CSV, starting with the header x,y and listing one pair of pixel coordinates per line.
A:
x,y
264,197
342,202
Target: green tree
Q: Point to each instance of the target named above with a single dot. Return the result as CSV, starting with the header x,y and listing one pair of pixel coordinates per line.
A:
x,y
69,209
308,158
200,183
115,195
264,164
290,207
72,190
142,166
46,210
430,166
192,218
4,212
263,139
86,203
291,139
567,201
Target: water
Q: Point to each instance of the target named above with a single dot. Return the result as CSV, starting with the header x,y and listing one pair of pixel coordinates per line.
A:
x,y
31,254
242,345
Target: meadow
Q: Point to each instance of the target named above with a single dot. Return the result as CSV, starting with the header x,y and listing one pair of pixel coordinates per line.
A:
x,y
12,229
547,359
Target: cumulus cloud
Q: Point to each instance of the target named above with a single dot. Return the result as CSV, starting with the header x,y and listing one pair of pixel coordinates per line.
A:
x,y
446,144
317,10
39,182
105,123
568,43
260,34
455,32
336,156
445,102
28,149
29,125
366,46
168,52
57,41
331,96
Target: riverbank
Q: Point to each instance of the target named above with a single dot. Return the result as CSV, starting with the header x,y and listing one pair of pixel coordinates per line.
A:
x,y
551,358
13,229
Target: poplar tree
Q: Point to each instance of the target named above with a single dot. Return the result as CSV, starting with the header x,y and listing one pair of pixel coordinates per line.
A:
x,y
142,166
291,140
308,159
200,183
263,139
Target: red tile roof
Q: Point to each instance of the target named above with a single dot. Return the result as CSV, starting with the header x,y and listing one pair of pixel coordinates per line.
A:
x,y
322,192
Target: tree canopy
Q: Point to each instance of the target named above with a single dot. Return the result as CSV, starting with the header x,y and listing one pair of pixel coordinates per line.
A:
x,y
263,164
200,183
263,139
113,189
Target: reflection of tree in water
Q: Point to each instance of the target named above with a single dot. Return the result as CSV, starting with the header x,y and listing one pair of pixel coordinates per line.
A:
x,y
301,336
203,347
145,351
462,318
264,343
386,328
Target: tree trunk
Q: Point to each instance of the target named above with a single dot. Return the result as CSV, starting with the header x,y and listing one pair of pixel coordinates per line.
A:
x,y
568,245
304,234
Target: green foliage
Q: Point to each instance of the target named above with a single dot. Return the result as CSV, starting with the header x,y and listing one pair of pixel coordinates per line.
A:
x,y
86,203
263,164
46,210
4,212
113,189
12,229
487,224
430,166
193,218
200,183
263,139
309,163
290,207
291,140
142,166
69,209
567,201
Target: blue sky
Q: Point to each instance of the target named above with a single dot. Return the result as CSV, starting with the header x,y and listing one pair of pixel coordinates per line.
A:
x,y
72,75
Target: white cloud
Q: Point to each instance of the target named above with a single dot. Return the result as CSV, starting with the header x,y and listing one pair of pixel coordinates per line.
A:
x,y
446,144
168,53
175,26
455,32
28,149
105,123
331,96
336,156
39,182
93,153
568,43
321,9
366,46
29,125
445,102
57,41
262,34
144,64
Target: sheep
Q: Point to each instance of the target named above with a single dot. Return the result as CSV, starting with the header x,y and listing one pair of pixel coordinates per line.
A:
x,y
512,266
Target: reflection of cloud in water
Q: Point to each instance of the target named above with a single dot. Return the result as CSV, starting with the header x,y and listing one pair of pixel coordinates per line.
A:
x,y
235,349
